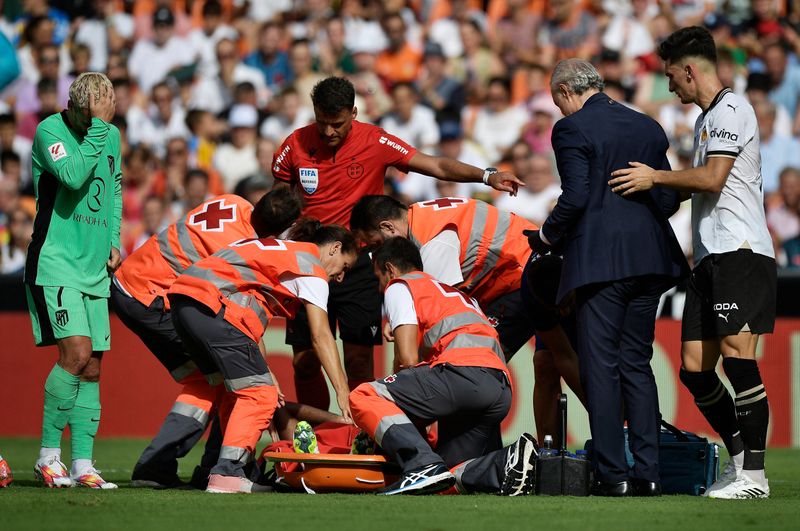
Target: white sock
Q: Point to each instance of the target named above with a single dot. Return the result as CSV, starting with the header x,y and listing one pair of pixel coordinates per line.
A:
x,y
738,461
79,465
44,453
756,475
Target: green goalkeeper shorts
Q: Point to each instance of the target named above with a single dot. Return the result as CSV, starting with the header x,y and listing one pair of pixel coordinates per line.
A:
x,y
58,312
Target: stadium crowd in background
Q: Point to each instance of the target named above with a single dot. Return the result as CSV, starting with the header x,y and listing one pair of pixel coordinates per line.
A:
x,y
207,89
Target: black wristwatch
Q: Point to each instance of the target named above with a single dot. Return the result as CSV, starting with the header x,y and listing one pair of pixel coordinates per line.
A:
x,y
486,173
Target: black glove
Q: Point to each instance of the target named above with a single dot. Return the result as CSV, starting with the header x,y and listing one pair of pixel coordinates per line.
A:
x,y
535,241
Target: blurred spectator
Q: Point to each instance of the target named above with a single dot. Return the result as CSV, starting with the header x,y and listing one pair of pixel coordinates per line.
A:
x,y
410,120
783,212
236,159
446,31
568,31
498,124
215,93
629,37
162,119
452,144
204,130
515,34
269,58
438,90
11,167
291,114
80,55
785,78
47,61
107,30
195,188
152,59
20,229
10,140
154,220
363,32
758,87
305,78
204,39
536,199
400,61
58,19
265,150
168,180
252,188
536,133
334,57
478,64
777,151
138,179
47,94
38,34
371,98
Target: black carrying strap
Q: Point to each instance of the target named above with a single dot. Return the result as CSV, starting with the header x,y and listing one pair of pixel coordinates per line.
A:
x,y
562,418
681,436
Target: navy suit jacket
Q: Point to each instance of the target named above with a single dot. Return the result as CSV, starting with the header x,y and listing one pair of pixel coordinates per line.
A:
x,y
604,236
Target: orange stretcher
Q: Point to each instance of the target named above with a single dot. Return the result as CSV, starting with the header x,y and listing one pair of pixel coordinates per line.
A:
x,y
322,473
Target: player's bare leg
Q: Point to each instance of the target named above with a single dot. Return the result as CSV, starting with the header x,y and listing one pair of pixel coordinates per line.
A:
x,y
358,364
309,382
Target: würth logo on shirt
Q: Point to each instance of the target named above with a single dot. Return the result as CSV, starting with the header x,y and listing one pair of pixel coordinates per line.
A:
x,y
393,144
57,151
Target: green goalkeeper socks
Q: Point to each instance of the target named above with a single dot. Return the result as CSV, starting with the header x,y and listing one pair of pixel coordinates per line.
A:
x,y
84,420
60,393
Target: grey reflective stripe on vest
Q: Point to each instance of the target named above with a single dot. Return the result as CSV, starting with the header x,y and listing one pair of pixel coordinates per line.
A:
x,y
476,341
475,238
494,250
382,391
185,240
450,323
183,371
248,301
388,422
412,276
306,262
245,382
238,262
234,453
188,410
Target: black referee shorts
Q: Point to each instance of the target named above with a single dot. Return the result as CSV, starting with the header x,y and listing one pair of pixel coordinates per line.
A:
x,y
355,304
730,293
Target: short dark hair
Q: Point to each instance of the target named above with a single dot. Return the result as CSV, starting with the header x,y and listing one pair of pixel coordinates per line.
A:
x,y
694,41
308,229
195,173
8,118
7,156
193,118
46,84
333,95
212,8
276,211
400,252
370,210
407,85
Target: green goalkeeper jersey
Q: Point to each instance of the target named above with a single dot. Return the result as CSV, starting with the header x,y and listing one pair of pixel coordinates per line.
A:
x,y
78,185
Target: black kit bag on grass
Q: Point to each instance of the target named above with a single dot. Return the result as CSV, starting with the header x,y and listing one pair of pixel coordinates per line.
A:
x,y
687,463
558,472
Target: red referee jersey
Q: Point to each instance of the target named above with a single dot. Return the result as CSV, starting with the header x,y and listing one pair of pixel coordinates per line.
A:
x,y
332,181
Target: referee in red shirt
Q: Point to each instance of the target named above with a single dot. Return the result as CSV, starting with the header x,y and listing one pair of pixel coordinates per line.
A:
x,y
334,162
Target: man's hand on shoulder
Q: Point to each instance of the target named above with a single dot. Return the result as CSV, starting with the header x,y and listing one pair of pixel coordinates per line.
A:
x,y
638,178
505,181
114,260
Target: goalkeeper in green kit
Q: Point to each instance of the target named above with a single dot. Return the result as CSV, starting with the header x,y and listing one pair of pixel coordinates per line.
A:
x,y
75,247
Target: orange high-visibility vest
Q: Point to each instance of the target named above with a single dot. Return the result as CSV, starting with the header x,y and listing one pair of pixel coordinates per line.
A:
x,y
493,249
151,269
246,278
452,327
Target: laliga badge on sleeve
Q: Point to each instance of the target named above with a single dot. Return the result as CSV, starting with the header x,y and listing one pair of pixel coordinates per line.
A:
x,y
57,151
309,179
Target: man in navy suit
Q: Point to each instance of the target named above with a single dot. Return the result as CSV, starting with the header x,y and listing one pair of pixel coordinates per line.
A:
x,y
620,255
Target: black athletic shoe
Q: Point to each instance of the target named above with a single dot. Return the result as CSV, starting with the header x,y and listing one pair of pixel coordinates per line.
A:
x,y
145,476
519,476
425,480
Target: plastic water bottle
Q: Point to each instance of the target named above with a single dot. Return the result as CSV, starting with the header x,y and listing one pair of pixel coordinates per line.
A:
x,y
581,454
548,450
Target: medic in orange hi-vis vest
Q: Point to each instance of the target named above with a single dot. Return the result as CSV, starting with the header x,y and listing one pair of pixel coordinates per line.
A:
x,y
138,294
221,306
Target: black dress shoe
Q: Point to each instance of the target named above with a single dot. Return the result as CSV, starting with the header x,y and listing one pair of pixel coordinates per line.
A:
x,y
602,488
643,487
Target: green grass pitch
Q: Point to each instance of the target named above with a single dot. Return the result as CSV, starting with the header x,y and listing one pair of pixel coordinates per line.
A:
x,y
26,506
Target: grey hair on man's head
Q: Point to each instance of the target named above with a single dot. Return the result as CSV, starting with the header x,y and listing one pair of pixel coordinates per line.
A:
x,y
86,83
577,75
